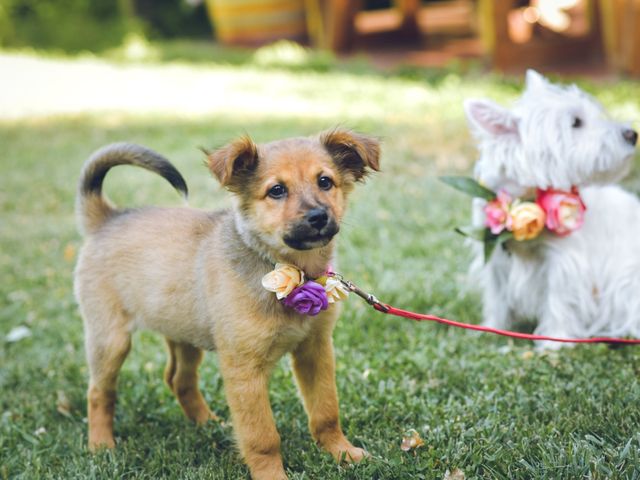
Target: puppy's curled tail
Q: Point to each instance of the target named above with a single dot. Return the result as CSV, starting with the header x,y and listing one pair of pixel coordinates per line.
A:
x,y
92,209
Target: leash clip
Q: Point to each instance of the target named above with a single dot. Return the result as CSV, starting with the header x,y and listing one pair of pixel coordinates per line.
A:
x,y
368,297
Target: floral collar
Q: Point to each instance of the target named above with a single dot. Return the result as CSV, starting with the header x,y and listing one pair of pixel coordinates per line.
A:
x,y
561,212
307,297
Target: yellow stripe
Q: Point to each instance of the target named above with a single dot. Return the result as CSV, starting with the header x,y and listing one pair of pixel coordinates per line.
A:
x,y
244,3
256,8
258,21
259,33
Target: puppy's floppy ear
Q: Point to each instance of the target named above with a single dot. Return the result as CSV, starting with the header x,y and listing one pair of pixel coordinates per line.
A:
x,y
234,163
352,152
490,119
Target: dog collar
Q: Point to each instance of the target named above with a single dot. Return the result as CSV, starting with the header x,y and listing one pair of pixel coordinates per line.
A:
x,y
305,296
560,212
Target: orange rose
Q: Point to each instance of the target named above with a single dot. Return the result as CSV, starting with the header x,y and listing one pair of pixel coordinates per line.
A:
x,y
527,220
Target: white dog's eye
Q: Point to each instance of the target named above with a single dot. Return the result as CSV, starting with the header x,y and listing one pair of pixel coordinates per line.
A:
x,y
577,122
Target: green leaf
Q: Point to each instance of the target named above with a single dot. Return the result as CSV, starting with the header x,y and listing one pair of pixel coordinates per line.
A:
x,y
491,241
477,233
469,186
504,236
489,247
484,235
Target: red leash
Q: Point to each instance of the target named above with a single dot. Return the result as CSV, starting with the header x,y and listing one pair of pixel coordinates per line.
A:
x,y
388,309
384,308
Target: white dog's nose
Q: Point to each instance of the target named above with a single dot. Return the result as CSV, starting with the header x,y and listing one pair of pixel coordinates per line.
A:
x,y
630,136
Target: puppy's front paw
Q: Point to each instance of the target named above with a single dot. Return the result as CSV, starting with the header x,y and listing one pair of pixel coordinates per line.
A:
x,y
355,455
348,453
98,442
269,475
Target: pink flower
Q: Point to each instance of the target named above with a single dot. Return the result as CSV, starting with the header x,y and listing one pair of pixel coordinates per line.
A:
x,y
497,213
565,210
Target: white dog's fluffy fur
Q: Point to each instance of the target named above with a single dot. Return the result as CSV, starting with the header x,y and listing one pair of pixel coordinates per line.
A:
x,y
584,284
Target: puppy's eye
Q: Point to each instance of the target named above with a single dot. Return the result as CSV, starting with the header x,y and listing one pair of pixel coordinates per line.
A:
x,y
325,183
277,191
577,122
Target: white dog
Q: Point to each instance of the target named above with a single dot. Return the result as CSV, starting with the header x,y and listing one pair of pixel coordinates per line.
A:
x,y
584,283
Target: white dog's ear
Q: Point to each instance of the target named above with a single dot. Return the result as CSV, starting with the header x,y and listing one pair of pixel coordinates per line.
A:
x,y
489,118
534,81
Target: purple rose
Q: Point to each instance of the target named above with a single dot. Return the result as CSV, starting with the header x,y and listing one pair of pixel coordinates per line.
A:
x,y
308,299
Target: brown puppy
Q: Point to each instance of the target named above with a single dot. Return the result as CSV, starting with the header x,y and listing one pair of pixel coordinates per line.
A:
x,y
195,277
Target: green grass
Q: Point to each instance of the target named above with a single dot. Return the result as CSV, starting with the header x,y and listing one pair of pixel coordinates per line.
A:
x,y
485,405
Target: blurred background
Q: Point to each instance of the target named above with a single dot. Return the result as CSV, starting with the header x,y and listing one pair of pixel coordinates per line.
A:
x,y
596,36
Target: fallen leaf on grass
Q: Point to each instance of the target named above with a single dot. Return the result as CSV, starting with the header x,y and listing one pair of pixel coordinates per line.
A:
x,y
63,405
552,358
528,355
18,333
456,474
411,440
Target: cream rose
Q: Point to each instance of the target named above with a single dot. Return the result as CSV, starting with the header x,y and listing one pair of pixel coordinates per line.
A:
x,y
283,279
335,289
527,220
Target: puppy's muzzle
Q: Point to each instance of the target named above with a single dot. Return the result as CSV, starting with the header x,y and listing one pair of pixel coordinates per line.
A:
x,y
316,228
631,136
317,218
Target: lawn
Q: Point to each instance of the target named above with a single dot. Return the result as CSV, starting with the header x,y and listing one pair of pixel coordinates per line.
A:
x,y
486,406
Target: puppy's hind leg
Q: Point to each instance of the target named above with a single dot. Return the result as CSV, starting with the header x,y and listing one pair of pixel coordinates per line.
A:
x,y
181,375
106,352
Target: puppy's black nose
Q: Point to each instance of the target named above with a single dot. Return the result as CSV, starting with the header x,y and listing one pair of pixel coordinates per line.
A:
x,y
630,136
317,218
